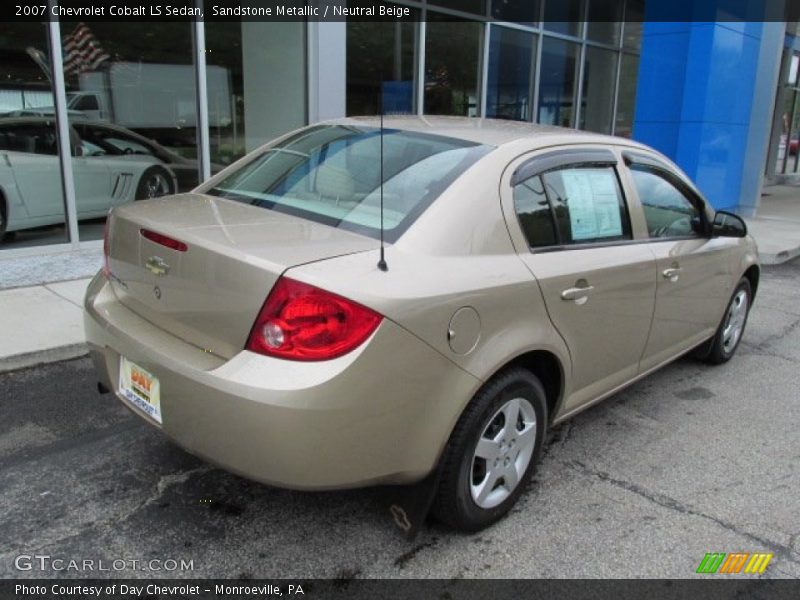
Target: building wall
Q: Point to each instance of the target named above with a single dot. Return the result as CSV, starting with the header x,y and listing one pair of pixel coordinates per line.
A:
x,y
705,98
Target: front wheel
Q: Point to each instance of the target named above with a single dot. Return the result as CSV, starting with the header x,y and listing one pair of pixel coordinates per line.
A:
x,y
155,182
730,330
492,451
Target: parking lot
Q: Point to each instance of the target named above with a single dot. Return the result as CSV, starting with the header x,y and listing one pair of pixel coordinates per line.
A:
x,y
693,459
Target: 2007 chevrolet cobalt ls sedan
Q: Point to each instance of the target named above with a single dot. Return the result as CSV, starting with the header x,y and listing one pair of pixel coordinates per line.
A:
x,y
531,272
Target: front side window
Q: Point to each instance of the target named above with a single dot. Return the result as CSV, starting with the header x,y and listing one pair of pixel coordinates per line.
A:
x,y
331,174
669,212
30,138
111,142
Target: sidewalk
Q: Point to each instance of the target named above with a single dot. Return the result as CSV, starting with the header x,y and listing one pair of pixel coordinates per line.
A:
x,y
42,322
776,227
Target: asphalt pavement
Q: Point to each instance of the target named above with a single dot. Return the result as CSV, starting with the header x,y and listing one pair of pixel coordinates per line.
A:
x,y
693,459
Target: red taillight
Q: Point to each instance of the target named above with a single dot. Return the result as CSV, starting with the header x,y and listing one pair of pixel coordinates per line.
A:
x,y
106,268
164,240
301,322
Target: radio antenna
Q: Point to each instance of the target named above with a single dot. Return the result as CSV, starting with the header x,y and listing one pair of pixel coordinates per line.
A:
x,y
382,260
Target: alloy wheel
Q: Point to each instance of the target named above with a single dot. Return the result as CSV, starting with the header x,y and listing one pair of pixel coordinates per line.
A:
x,y
156,185
503,453
734,321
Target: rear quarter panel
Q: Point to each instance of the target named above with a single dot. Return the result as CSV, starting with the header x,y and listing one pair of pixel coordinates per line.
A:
x,y
458,254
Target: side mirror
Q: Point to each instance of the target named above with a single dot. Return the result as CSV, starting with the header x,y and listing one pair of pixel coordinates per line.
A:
x,y
77,150
728,225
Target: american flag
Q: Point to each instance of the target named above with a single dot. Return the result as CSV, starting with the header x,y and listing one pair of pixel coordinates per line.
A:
x,y
82,51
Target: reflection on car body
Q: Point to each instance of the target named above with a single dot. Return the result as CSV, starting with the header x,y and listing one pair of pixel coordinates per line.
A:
x,y
532,272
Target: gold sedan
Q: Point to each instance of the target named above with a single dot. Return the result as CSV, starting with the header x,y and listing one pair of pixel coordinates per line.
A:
x,y
529,273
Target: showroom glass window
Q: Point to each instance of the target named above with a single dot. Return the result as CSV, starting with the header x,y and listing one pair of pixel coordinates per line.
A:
x,y
510,74
558,82
572,63
32,208
381,67
525,12
597,98
563,16
132,110
603,21
253,65
452,65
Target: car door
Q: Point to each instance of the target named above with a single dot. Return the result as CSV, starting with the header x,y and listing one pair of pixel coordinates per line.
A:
x,y
31,151
92,176
597,282
694,279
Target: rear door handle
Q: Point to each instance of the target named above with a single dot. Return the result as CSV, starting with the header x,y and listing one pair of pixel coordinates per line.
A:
x,y
671,273
577,294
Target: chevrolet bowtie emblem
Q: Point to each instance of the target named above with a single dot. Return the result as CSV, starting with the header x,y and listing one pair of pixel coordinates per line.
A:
x,y
157,266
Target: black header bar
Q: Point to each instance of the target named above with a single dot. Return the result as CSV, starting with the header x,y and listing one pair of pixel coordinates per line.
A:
x,y
710,588
732,11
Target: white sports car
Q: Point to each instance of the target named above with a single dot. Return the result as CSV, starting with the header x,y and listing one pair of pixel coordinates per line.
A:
x,y
108,170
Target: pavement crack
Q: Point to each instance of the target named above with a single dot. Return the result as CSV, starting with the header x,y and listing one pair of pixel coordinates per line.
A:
x,y
559,435
164,482
776,337
786,552
62,296
401,561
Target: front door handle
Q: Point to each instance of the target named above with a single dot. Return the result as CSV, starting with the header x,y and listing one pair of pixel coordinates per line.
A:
x,y
672,273
578,294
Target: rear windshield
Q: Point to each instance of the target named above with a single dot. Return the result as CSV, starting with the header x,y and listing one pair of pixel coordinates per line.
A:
x,y
331,174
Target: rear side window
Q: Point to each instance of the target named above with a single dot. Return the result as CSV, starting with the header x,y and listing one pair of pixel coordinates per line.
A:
x,y
575,205
332,174
669,212
534,213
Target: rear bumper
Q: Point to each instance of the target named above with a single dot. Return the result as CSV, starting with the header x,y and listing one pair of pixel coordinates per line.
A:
x,y
380,414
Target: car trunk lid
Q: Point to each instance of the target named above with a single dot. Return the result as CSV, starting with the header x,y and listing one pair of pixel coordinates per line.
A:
x,y
210,292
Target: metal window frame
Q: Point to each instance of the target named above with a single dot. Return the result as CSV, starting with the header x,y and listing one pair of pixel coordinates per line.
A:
x,y
62,125
489,24
201,93
58,89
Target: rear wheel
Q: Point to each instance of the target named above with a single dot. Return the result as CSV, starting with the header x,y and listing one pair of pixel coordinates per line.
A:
x,y
155,182
492,451
729,333
4,236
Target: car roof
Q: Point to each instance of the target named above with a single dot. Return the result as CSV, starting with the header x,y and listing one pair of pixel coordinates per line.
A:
x,y
494,132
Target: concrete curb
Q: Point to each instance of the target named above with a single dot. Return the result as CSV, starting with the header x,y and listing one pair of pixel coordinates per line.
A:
x,y
779,258
42,357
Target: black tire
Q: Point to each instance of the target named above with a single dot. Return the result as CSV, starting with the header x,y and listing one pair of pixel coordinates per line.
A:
x,y
4,236
454,503
721,347
155,182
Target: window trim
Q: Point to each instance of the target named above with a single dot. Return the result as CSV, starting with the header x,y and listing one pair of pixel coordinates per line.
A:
x,y
552,161
562,158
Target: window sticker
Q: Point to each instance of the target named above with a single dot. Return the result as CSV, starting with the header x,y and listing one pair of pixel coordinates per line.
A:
x,y
593,203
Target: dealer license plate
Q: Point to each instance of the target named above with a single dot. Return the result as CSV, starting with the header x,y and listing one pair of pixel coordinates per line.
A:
x,y
140,388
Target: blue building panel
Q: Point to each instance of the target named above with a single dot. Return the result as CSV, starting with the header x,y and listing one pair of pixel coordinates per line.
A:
x,y
699,101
